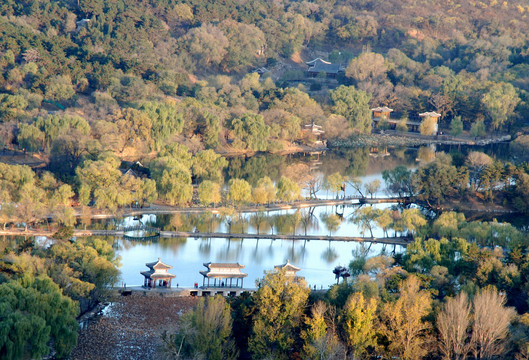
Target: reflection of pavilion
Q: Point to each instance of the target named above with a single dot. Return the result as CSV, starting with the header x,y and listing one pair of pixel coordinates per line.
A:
x,y
157,273
223,272
290,270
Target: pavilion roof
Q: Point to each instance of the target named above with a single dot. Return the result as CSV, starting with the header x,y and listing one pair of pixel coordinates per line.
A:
x,y
430,114
154,275
383,109
223,270
287,266
315,129
158,265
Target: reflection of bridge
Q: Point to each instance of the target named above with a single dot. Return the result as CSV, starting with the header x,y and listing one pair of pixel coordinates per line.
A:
x,y
150,232
398,240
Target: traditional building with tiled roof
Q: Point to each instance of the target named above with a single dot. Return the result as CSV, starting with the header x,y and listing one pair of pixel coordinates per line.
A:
x,y
223,272
157,275
318,66
290,270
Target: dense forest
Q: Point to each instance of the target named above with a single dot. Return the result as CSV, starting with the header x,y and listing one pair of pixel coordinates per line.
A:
x,y
166,88
87,84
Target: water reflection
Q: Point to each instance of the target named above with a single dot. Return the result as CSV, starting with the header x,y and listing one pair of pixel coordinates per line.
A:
x,y
316,258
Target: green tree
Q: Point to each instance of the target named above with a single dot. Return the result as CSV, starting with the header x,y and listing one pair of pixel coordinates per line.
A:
x,y
279,307
456,126
437,181
251,132
31,207
174,184
478,128
166,120
207,44
239,191
265,191
209,193
365,218
287,189
334,182
500,102
60,88
12,107
30,137
208,165
354,106
398,181
320,335
33,312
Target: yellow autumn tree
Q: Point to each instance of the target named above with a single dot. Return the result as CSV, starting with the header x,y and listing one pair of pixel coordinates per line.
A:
x,y
403,321
358,323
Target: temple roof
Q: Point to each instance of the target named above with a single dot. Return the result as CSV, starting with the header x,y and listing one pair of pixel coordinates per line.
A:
x,y
318,65
317,60
287,266
430,114
382,109
159,265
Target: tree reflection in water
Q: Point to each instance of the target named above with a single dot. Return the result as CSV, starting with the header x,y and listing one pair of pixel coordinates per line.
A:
x,y
329,255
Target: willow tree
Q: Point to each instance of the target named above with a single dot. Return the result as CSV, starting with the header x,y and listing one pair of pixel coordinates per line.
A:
x,y
353,104
209,193
33,312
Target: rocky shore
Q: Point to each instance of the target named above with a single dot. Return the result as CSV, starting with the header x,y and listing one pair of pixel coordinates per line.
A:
x,y
130,328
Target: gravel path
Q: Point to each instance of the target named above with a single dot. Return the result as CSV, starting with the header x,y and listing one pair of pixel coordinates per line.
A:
x,y
131,328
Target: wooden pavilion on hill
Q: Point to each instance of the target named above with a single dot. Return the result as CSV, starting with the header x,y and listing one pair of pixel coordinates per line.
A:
x,y
157,275
223,272
381,111
290,270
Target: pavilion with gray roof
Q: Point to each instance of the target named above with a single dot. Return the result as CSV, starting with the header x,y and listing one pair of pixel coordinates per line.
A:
x,y
223,272
157,275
